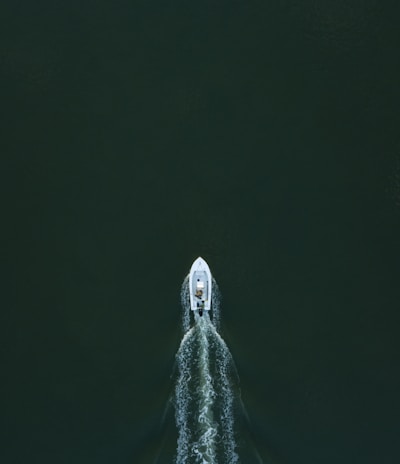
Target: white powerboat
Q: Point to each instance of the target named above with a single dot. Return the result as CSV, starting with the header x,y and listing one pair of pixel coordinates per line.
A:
x,y
200,286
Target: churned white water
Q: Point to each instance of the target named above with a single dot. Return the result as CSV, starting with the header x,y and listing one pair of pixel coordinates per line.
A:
x,y
204,392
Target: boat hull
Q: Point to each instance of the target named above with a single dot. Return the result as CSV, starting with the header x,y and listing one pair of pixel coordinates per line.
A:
x,y
200,286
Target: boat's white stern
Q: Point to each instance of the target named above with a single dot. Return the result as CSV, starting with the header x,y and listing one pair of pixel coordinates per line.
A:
x,y
200,286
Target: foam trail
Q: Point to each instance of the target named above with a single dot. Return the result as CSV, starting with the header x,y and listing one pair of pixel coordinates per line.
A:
x,y
204,393
216,300
182,397
185,302
204,448
224,361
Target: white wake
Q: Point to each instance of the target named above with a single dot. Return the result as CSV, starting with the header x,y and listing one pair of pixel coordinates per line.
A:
x,y
204,393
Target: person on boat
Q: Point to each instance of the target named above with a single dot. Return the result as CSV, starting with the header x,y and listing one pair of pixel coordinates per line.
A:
x,y
199,293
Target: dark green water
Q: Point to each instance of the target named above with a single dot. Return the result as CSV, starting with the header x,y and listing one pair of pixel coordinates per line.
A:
x,y
136,136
